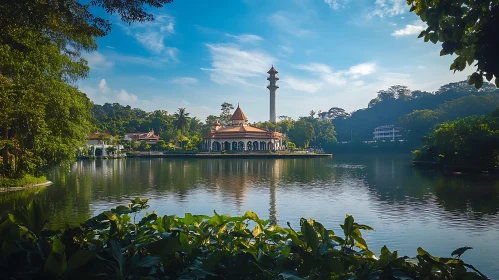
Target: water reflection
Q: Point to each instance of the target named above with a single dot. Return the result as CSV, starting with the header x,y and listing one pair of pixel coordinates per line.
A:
x,y
403,204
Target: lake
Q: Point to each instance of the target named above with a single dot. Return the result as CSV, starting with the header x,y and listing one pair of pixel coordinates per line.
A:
x,y
407,207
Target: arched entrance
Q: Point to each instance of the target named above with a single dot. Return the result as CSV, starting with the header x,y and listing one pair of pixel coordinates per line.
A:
x,y
234,146
255,146
227,146
249,146
263,146
216,146
240,146
270,146
99,152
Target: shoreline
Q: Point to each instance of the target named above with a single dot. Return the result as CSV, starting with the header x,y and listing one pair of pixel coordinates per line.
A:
x,y
213,155
431,165
11,189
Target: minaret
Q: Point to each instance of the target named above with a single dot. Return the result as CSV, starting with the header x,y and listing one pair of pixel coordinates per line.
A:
x,y
272,87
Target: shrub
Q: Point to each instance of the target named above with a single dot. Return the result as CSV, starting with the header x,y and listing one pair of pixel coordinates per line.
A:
x,y
113,245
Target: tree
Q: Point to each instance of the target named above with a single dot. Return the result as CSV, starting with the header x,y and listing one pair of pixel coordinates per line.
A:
x,y
337,113
41,43
226,115
160,145
419,122
466,28
283,118
144,146
110,150
181,119
471,141
301,133
324,133
211,119
290,145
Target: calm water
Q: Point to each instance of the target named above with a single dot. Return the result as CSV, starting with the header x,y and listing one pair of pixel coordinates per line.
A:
x,y
408,208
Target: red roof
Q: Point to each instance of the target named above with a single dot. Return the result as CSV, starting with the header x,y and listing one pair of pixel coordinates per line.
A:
x,y
243,131
239,115
272,70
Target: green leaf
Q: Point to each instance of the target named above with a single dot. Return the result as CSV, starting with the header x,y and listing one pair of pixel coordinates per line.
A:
x,y
122,210
184,241
257,230
80,258
148,261
188,219
385,252
57,246
422,252
497,82
348,225
310,235
56,264
212,260
434,38
36,221
285,251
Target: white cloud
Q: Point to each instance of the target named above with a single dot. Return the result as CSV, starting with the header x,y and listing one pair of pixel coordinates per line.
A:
x,y
126,97
233,65
246,38
110,47
152,41
336,4
410,29
100,95
301,85
390,8
185,81
152,34
103,86
362,69
154,62
97,61
326,77
290,23
286,50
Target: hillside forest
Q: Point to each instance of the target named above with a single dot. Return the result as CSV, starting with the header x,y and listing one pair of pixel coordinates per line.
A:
x,y
416,111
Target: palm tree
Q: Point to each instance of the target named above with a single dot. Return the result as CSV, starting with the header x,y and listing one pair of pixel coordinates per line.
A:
x,y
181,119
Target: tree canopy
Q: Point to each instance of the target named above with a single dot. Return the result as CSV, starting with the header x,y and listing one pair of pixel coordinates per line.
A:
x,y
45,118
467,29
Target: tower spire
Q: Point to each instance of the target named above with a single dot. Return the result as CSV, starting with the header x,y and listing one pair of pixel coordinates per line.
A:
x,y
272,88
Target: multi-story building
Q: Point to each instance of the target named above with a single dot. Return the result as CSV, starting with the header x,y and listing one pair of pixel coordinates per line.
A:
x,y
387,133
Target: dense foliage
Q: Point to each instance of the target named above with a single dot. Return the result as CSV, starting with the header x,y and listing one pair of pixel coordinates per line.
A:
x,y
44,118
114,245
421,122
179,127
466,28
396,102
471,141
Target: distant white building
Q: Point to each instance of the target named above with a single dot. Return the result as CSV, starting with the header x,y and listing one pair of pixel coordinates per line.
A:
x,y
99,144
387,133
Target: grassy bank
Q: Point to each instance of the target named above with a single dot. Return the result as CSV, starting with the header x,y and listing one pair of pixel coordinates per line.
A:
x,y
25,181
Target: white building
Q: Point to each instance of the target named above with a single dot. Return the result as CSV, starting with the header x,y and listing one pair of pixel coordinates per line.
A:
x,y
387,133
98,145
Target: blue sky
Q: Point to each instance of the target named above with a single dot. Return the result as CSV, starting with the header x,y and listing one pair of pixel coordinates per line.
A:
x,y
329,53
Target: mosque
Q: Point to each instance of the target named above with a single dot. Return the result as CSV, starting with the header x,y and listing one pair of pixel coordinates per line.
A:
x,y
240,136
